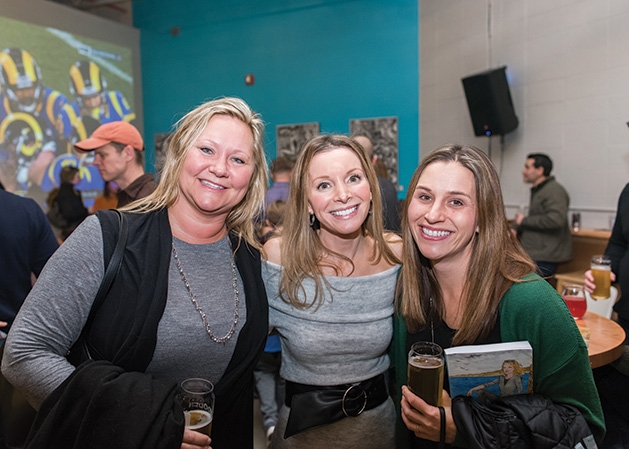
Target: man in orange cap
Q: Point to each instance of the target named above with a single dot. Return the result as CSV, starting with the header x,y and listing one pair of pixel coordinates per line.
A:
x,y
119,156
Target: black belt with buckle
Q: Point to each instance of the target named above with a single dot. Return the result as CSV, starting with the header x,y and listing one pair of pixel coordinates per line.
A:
x,y
313,406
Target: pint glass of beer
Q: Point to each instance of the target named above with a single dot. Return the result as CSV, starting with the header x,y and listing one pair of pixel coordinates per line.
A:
x,y
425,371
601,270
197,399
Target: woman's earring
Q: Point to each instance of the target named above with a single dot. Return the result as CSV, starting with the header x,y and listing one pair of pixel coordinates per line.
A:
x,y
313,220
370,208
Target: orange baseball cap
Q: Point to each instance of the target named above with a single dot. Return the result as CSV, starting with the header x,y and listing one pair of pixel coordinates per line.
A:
x,y
119,132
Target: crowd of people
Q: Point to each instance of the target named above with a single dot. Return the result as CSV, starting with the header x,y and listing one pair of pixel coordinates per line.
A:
x,y
310,295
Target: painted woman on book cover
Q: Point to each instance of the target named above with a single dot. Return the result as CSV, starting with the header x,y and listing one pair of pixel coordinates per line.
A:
x,y
509,383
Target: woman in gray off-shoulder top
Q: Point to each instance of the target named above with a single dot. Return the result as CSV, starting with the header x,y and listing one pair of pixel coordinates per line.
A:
x,y
330,278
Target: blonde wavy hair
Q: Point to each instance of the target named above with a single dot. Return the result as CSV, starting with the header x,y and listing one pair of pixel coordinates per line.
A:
x,y
302,251
241,219
498,260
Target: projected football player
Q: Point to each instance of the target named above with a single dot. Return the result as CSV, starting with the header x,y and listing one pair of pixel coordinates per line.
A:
x,y
37,123
93,99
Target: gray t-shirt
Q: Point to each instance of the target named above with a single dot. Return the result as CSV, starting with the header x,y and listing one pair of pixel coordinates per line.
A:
x,y
55,312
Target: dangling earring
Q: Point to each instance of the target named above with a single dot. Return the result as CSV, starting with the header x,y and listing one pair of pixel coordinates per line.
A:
x,y
370,208
313,220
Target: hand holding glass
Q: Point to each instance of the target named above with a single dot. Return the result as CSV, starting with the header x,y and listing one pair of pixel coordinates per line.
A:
x,y
197,399
601,270
574,297
425,371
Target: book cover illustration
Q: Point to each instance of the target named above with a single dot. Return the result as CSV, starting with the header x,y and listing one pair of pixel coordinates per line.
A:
x,y
486,372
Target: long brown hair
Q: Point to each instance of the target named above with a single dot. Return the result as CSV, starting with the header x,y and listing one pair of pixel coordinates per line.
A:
x,y
498,260
302,251
241,219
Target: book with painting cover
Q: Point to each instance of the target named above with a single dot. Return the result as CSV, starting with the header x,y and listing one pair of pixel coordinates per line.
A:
x,y
486,372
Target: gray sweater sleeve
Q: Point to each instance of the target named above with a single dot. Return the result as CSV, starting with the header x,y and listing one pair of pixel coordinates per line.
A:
x,y
54,314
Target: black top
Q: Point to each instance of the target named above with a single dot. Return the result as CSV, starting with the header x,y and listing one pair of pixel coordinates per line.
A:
x,y
618,251
26,243
71,204
136,303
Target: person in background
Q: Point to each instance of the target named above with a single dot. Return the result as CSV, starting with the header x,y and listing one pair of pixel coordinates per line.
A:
x,y
69,200
269,383
27,242
119,156
545,232
273,223
188,300
613,380
466,281
330,276
281,170
93,99
387,189
108,200
618,251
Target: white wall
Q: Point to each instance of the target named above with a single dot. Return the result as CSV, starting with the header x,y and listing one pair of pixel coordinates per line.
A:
x,y
568,66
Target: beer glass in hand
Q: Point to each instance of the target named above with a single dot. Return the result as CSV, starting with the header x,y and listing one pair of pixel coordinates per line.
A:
x,y
197,399
601,270
425,371
574,297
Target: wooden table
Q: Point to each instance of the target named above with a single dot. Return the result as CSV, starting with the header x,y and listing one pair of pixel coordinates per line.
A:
x,y
607,339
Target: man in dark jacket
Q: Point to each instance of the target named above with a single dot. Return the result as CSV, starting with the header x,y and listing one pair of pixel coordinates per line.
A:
x,y
27,242
545,232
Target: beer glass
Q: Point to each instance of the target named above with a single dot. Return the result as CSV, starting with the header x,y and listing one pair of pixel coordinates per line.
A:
x,y
601,267
574,297
425,371
197,399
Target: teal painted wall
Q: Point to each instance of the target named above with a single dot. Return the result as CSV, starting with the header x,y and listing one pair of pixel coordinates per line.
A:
x,y
320,61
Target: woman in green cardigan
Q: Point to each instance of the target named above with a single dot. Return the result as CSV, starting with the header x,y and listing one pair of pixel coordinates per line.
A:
x,y
465,281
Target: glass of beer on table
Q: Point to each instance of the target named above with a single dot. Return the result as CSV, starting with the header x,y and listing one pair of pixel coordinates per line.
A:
x,y
601,267
425,371
574,297
197,399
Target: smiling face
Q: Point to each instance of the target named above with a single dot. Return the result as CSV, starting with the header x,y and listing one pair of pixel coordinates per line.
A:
x,y
339,194
442,213
217,169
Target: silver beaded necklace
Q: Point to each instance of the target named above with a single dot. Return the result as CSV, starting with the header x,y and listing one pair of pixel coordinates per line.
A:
x,y
198,308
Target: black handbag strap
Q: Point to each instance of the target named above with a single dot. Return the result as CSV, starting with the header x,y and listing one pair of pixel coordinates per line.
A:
x,y
115,262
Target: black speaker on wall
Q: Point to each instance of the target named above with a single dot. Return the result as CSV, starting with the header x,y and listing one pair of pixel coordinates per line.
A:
x,y
489,102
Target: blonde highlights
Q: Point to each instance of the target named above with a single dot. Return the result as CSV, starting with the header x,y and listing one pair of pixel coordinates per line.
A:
x,y
302,251
242,217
